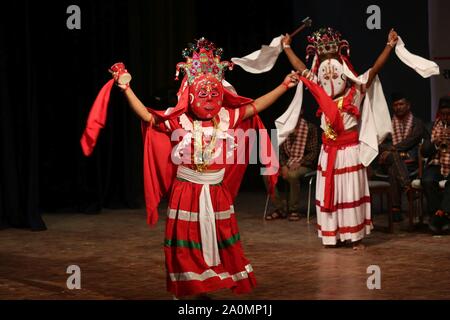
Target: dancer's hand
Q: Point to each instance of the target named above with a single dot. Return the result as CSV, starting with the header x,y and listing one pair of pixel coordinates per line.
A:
x,y
392,38
291,80
120,75
286,40
123,87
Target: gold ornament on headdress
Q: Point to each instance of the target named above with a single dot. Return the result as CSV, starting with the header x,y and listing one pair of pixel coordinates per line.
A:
x,y
203,58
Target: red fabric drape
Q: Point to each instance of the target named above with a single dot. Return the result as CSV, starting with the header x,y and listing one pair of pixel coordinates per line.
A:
x,y
343,140
326,104
97,119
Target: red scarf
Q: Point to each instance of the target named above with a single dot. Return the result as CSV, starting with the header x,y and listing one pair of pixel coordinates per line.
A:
x,y
97,119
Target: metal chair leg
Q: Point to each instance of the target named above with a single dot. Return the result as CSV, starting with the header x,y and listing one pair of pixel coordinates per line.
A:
x,y
389,211
411,212
265,209
309,199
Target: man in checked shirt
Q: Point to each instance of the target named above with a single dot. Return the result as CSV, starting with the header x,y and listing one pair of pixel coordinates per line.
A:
x,y
298,156
436,150
400,151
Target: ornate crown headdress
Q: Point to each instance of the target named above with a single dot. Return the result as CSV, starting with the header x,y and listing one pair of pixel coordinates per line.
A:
x,y
202,57
326,41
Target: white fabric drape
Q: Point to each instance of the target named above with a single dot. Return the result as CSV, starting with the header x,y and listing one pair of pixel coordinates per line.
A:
x,y
286,123
261,60
206,213
264,59
422,66
376,121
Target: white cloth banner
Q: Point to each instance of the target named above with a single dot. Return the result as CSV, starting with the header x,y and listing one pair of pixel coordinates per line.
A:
x,y
262,60
422,66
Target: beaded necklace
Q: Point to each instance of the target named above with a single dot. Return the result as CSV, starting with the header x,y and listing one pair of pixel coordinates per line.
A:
x,y
202,156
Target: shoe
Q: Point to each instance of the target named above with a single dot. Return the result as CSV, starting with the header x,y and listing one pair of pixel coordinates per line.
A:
x,y
277,214
433,229
436,224
294,216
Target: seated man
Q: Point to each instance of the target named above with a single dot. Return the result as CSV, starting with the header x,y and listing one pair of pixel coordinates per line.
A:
x,y
438,169
399,152
298,156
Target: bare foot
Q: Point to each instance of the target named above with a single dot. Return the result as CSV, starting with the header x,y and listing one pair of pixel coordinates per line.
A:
x,y
358,246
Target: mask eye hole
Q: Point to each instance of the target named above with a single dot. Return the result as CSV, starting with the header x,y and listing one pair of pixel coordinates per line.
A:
x,y
202,93
214,93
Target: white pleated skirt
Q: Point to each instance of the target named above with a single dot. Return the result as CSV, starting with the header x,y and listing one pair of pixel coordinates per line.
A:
x,y
350,217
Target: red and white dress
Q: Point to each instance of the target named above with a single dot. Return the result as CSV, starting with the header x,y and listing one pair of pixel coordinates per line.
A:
x,y
202,242
347,216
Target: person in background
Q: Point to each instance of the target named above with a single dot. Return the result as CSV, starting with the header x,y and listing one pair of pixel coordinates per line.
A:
x,y
298,156
437,150
399,152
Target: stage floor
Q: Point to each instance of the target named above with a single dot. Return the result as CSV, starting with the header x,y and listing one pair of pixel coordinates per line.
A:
x,y
122,258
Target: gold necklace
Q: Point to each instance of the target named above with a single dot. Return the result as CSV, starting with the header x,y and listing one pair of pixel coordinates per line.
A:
x,y
202,156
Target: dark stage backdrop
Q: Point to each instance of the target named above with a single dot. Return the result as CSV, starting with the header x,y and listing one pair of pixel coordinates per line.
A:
x,y
50,75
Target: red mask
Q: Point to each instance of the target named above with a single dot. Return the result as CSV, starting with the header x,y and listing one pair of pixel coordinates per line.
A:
x,y
206,97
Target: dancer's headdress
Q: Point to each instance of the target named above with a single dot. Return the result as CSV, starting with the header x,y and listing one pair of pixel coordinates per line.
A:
x,y
203,58
326,41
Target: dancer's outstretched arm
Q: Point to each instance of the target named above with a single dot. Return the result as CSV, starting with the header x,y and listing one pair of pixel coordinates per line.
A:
x,y
384,56
137,106
268,99
293,58
118,72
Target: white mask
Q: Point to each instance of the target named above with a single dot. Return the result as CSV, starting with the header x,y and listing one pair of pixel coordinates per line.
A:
x,y
331,77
